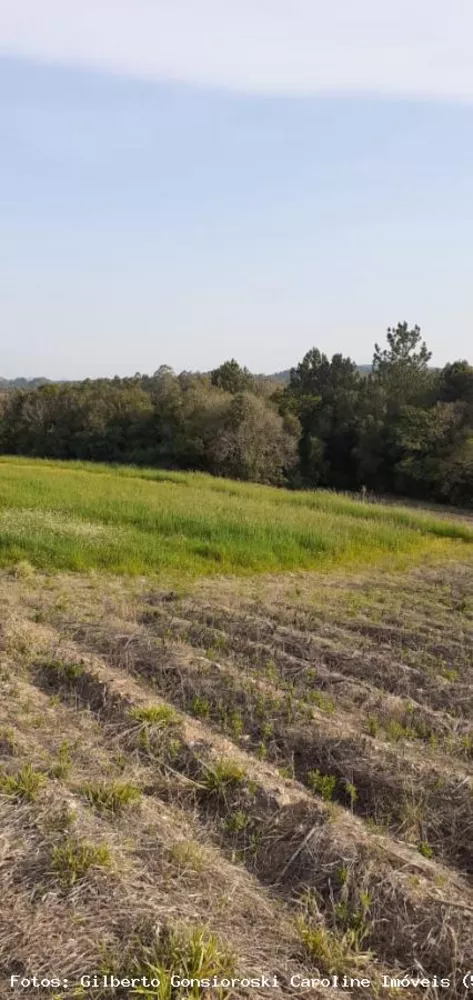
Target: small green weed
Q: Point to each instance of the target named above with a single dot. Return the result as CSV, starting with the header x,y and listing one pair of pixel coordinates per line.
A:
x,y
323,784
425,849
72,860
200,707
287,772
396,731
333,953
7,742
23,785
110,798
63,672
63,763
187,856
157,735
372,726
238,821
449,674
322,701
352,792
195,953
222,777
161,716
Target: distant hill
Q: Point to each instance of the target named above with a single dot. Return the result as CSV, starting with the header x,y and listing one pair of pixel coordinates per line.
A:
x,y
283,376
22,383
33,383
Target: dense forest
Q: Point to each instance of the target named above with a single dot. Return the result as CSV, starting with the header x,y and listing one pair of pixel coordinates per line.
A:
x,y
399,427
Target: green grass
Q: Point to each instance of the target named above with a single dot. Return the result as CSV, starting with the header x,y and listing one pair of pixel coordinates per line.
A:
x,y
79,516
161,716
111,797
73,859
193,954
224,776
23,785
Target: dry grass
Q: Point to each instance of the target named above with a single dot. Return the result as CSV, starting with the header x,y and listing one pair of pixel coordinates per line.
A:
x,y
243,779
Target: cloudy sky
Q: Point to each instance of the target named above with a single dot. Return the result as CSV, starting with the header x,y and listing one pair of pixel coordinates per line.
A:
x,y
186,180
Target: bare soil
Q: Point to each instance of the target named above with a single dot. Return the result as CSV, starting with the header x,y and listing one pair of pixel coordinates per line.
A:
x,y
301,753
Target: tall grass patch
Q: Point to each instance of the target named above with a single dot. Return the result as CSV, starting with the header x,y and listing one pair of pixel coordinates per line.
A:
x,y
78,516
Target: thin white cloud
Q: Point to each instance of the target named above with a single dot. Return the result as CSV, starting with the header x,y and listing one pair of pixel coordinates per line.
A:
x,y
419,48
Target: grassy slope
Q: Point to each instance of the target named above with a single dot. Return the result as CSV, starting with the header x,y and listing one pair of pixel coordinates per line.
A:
x,y
76,516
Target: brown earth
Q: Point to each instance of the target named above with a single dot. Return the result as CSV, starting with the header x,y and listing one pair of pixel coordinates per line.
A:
x,y
280,770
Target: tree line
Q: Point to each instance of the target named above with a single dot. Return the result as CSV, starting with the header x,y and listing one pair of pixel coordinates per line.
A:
x,y
402,428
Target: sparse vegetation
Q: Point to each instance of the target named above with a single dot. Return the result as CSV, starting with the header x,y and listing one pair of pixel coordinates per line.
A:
x,y
333,953
187,856
63,764
7,742
62,672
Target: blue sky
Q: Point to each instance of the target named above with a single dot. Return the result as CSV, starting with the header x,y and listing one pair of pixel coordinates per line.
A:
x,y
227,191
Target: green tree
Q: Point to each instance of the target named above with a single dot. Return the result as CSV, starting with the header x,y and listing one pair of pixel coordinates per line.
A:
x,y
255,443
403,366
326,393
424,439
231,378
456,383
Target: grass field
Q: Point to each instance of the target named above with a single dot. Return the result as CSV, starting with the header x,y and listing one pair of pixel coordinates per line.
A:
x,y
74,516
257,772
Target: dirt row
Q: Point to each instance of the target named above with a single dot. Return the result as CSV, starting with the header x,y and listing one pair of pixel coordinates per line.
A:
x,y
407,787
291,801
292,842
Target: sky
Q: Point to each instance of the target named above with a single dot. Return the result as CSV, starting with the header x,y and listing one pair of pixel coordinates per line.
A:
x,y
184,181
